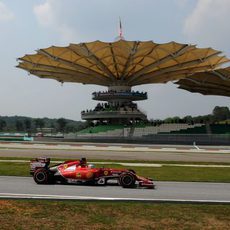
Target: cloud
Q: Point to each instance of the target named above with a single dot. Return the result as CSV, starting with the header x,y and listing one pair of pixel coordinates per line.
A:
x,y
87,20
49,15
5,13
45,14
208,24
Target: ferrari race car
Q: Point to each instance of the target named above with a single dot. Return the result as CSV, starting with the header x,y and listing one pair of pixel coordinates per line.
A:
x,y
79,172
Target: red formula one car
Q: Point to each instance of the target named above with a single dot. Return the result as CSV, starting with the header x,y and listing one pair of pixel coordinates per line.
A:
x,y
79,172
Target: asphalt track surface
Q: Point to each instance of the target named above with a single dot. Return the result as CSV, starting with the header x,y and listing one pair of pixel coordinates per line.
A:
x,y
26,188
117,152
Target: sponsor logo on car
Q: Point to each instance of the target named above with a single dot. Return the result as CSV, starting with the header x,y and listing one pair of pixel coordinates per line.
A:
x,y
89,175
71,168
78,175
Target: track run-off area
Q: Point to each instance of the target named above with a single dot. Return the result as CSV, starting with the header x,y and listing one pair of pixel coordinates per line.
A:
x,y
192,192
117,151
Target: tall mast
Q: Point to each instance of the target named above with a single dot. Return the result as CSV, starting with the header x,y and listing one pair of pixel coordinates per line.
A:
x,y
120,29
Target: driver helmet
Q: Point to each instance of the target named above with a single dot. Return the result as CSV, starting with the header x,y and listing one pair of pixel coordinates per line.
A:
x,y
83,161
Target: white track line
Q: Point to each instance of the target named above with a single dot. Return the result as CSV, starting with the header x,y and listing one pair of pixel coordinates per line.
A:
x,y
106,148
61,197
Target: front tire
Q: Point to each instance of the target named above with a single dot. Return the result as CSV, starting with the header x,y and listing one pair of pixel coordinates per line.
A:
x,y
127,180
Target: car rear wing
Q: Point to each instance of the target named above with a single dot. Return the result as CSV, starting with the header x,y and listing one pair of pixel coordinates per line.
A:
x,y
36,163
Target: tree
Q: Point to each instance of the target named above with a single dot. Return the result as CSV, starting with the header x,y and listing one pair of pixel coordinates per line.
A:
x,y
19,126
39,123
221,113
168,120
27,124
208,119
2,125
188,119
176,119
198,119
61,124
70,128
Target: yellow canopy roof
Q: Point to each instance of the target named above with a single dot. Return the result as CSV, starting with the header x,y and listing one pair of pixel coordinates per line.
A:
x,y
121,62
215,82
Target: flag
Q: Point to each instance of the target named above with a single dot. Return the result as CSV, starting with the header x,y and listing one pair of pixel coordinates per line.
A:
x,y
120,29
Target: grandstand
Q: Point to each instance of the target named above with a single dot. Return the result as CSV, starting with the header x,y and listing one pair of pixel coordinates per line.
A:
x,y
220,128
132,131
163,128
206,129
137,131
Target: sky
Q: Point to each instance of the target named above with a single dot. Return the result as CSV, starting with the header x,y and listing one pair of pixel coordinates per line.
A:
x,y
28,25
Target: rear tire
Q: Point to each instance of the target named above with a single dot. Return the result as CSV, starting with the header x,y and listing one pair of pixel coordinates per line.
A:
x,y
127,180
41,176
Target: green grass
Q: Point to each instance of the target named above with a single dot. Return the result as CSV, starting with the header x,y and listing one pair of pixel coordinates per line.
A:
x,y
14,169
25,214
126,161
165,173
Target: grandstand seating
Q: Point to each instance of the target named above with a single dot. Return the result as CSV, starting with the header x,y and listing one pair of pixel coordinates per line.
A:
x,y
201,129
213,129
163,128
220,128
119,131
100,129
141,130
